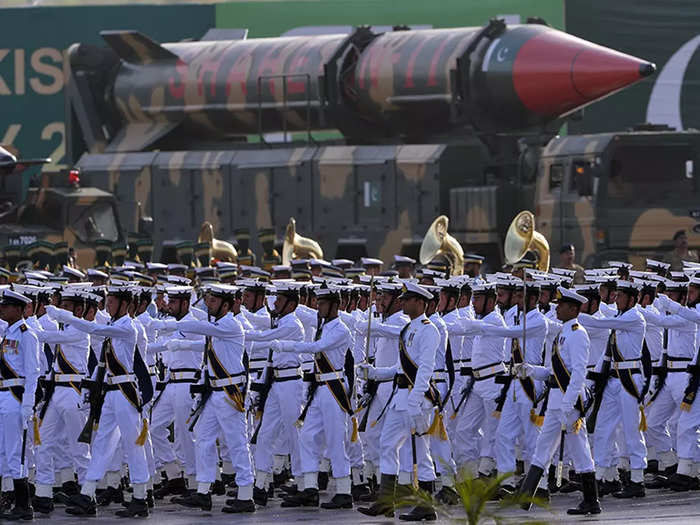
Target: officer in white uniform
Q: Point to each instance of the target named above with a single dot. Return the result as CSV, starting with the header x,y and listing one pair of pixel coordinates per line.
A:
x,y
565,373
19,368
410,408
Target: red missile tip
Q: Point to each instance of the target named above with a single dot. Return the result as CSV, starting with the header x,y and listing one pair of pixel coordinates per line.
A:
x,y
555,73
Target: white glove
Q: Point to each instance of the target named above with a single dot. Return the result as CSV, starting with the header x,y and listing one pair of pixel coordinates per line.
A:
x,y
27,414
276,346
175,345
195,401
365,371
523,370
253,400
57,314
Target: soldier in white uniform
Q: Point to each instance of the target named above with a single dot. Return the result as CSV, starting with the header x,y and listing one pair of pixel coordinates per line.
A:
x,y
19,368
622,395
325,413
121,407
565,373
61,415
172,404
281,394
410,408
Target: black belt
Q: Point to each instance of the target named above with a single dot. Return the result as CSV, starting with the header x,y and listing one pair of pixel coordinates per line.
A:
x,y
402,381
466,371
309,377
7,389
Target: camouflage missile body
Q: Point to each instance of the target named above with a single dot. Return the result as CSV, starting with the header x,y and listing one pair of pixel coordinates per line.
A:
x,y
430,120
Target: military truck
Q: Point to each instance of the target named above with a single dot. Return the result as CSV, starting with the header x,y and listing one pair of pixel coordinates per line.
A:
x,y
57,221
365,138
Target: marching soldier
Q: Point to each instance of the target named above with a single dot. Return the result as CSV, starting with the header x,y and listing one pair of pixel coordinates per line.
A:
x,y
623,388
19,368
410,407
115,397
563,419
326,411
219,407
61,414
280,396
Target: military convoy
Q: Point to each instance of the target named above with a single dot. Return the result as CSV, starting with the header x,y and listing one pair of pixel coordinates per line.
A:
x,y
365,138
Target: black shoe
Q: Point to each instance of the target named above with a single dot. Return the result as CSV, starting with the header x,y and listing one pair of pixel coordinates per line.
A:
x,y
71,488
196,500
682,483
339,501
281,478
625,476
237,506
43,505
447,495
305,498
110,495
631,490
259,497
233,493
529,485
19,514
218,488
323,480
61,498
608,487
652,467
359,491
503,492
82,505
289,490
7,499
584,508
171,487
386,494
656,481
590,503
419,514
135,508
568,486
542,495
229,480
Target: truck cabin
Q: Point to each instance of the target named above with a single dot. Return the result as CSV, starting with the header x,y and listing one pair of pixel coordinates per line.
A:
x,y
614,193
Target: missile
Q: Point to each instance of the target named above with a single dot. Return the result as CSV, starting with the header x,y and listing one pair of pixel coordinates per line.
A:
x,y
411,86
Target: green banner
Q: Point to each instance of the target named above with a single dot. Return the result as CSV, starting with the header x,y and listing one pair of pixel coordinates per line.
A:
x,y
32,43
268,19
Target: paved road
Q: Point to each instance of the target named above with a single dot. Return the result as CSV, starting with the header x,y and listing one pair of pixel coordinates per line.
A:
x,y
659,507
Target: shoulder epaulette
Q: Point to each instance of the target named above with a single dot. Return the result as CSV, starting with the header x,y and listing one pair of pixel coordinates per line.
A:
x,y
574,327
426,321
23,328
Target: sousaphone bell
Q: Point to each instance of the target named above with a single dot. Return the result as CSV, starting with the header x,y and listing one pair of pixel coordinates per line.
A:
x,y
297,247
220,250
522,237
437,242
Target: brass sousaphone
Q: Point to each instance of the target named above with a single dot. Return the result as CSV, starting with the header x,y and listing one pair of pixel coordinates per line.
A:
x,y
437,242
297,247
522,237
220,250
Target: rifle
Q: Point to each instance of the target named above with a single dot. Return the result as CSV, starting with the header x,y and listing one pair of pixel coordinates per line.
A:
x,y
264,391
96,392
601,381
205,391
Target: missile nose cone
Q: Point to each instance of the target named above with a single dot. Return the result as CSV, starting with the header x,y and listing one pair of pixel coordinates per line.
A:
x,y
647,69
555,73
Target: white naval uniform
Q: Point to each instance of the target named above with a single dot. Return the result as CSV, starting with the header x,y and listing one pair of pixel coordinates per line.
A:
x,y
515,424
220,416
688,447
617,405
488,356
120,419
175,401
284,399
573,345
325,424
20,352
65,416
409,408
384,337
461,357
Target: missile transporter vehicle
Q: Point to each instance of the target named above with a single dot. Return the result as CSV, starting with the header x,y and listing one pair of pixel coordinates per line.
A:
x,y
365,138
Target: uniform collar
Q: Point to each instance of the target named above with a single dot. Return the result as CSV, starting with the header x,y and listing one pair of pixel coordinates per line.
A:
x,y
16,325
571,322
419,320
